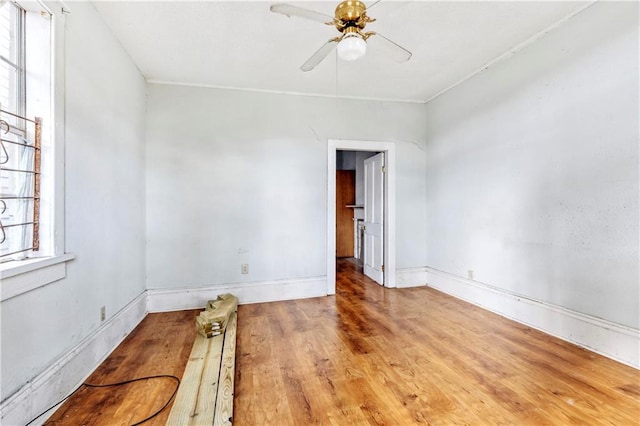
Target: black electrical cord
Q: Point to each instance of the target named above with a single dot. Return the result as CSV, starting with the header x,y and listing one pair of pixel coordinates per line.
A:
x,y
91,385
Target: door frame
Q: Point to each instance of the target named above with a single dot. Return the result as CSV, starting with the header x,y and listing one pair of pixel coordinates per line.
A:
x,y
389,231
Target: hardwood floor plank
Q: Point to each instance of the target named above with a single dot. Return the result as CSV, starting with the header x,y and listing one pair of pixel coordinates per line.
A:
x,y
257,370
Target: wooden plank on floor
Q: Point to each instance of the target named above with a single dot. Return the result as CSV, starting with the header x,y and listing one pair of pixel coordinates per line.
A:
x,y
196,397
214,319
224,404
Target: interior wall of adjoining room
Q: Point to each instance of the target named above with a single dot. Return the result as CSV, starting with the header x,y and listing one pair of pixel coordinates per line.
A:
x,y
354,160
345,160
238,177
532,170
104,208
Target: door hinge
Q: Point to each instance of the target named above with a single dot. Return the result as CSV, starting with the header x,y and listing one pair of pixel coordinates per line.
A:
x,y
384,169
382,268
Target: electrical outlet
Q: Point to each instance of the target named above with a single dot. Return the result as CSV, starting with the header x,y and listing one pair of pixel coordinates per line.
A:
x,y
103,313
244,268
470,274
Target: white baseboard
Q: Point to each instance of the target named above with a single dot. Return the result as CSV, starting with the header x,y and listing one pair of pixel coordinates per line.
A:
x,y
72,369
411,277
163,300
612,340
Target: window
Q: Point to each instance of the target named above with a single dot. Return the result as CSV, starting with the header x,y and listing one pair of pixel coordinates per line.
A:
x,y
12,72
31,48
19,143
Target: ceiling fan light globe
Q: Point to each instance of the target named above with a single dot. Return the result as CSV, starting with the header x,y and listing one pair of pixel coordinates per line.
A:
x,y
352,47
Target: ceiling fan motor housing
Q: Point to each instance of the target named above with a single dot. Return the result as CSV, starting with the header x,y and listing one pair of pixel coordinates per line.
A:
x,y
351,13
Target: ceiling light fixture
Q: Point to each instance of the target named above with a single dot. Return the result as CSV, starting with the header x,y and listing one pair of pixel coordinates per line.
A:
x,y
352,46
350,19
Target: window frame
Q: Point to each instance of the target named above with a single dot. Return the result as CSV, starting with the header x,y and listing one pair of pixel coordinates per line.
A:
x,y
20,276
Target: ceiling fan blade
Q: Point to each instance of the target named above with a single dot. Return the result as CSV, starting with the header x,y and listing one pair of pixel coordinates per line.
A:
x,y
373,3
291,10
320,54
395,51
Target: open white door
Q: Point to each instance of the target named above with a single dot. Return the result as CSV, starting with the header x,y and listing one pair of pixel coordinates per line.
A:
x,y
374,217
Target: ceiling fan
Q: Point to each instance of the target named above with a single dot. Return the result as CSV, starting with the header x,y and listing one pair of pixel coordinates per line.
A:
x,y
350,20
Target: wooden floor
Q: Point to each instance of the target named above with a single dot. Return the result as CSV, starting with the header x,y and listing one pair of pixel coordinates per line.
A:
x,y
161,344
375,356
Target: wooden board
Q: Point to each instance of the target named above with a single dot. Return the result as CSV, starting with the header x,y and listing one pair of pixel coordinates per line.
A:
x,y
205,396
224,403
214,319
196,397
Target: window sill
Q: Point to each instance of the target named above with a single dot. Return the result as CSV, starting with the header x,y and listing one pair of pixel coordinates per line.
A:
x,y
22,276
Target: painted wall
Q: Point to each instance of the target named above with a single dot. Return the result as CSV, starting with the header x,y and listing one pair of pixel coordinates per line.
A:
x,y
105,212
345,160
532,170
238,177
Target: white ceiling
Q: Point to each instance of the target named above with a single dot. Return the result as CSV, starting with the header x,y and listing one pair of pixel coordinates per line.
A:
x,y
240,44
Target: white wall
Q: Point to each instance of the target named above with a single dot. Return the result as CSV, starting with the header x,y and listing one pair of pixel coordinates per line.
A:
x,y
345,160
105,104
238,177
532,170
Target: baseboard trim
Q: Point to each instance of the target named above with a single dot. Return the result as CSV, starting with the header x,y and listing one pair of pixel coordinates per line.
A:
x,y
411,277
72,368
606,338
176,299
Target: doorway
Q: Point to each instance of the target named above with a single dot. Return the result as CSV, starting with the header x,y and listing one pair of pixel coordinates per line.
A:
x,y
388,232
359,210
